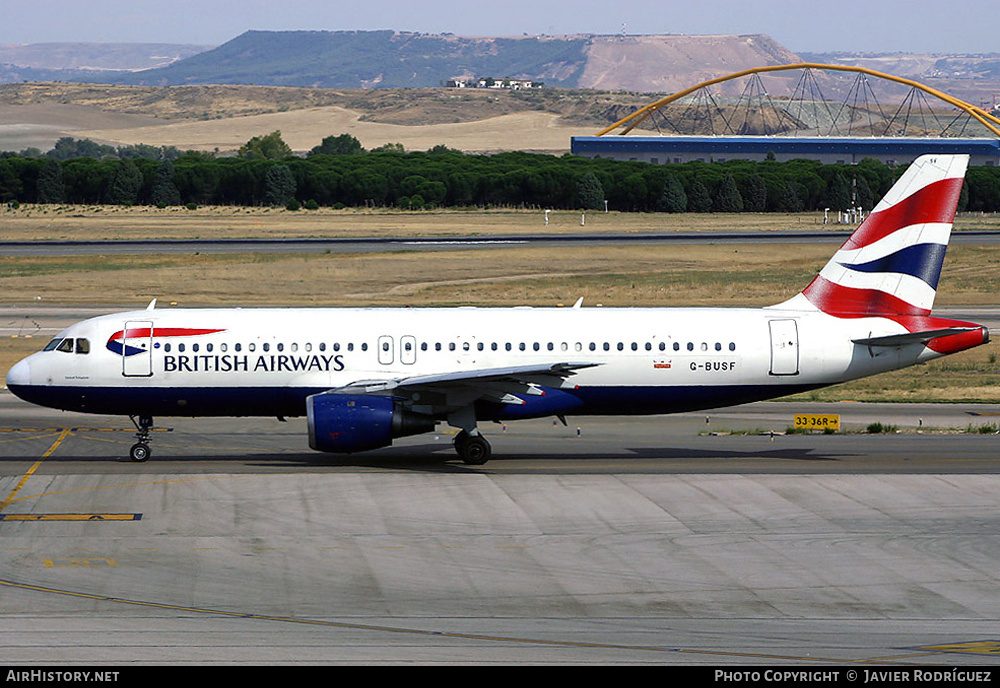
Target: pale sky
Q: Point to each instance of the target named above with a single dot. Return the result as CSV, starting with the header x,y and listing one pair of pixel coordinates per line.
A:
x,y
961,26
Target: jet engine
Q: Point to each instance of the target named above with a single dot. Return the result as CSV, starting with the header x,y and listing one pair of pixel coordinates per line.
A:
x,y
346,423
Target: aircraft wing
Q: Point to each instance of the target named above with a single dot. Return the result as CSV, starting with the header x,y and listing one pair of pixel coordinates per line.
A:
x,y
460,387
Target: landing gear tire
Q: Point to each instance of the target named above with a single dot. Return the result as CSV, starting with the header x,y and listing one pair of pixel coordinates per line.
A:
x,y
139,452
474,450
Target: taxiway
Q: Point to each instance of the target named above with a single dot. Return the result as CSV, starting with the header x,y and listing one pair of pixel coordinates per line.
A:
x,y
674,539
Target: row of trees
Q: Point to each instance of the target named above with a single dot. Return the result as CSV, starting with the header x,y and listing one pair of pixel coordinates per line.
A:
x,y
339,173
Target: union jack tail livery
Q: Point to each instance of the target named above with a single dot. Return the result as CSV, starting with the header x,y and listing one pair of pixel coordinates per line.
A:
x,y
890,266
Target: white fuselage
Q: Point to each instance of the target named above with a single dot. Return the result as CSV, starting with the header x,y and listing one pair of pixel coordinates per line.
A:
x,y
266,361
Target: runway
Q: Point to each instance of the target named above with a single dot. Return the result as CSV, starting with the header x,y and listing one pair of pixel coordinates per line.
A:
x,y
437,243
665,540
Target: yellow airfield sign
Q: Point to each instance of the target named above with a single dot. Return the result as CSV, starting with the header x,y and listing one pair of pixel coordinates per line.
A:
x,y
817,421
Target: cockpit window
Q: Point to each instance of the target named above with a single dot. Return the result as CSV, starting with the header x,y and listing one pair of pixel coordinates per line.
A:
x,y
65,345
52,345
82,346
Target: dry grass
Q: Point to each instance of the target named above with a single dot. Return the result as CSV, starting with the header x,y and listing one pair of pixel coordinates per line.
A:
x,y
68,222
97,223
617,275
304,129
970,376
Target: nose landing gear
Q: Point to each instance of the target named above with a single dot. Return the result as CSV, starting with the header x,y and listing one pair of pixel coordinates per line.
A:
x,y
140,450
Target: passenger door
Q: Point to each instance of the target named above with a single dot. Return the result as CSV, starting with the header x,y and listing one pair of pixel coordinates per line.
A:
x,y
137,349
784,347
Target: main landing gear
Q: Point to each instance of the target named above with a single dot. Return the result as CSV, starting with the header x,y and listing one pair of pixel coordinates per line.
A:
x,y
474,450
140,450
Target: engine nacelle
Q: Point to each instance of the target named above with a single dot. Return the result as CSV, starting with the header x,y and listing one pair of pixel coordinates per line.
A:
x,y
346,423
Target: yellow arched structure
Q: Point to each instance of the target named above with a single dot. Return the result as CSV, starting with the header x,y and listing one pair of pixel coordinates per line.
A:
x,y
636,118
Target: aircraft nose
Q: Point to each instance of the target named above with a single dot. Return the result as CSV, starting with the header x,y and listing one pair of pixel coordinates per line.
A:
x,y
19,375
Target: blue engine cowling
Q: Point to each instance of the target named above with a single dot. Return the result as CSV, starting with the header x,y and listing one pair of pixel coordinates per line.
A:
x,y
345,423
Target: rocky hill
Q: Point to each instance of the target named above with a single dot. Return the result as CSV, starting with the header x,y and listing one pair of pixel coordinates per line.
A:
x,y
393,59
86,61
390,59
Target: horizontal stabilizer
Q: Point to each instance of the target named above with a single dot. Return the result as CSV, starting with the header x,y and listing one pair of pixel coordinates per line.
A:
x,y
912,337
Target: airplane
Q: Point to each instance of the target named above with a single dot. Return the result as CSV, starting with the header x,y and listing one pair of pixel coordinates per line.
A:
x,y
364,377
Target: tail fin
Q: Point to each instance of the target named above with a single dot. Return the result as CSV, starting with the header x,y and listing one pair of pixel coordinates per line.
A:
x,y
892,263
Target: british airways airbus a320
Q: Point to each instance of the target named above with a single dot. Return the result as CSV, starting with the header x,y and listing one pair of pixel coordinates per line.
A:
x,y
366,376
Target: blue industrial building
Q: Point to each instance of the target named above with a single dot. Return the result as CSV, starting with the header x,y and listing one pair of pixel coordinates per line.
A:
x,y
681,149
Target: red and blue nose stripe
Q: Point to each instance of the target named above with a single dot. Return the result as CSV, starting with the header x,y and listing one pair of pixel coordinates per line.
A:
x,y
116,343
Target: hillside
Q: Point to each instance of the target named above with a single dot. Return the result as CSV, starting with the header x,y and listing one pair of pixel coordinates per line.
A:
x,y
363,59
97,56
86,61
391,59
224,117
388,59
671,63
389,106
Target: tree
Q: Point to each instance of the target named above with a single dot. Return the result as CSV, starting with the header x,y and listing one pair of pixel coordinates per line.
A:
x,y
728,198
754,194
632,192
699,200
788,199
269,147
441,149
672,199
345,144
125,184
390,148
147,152
67,148
590,192
866,199
164,190
838,194
51,188
279,185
